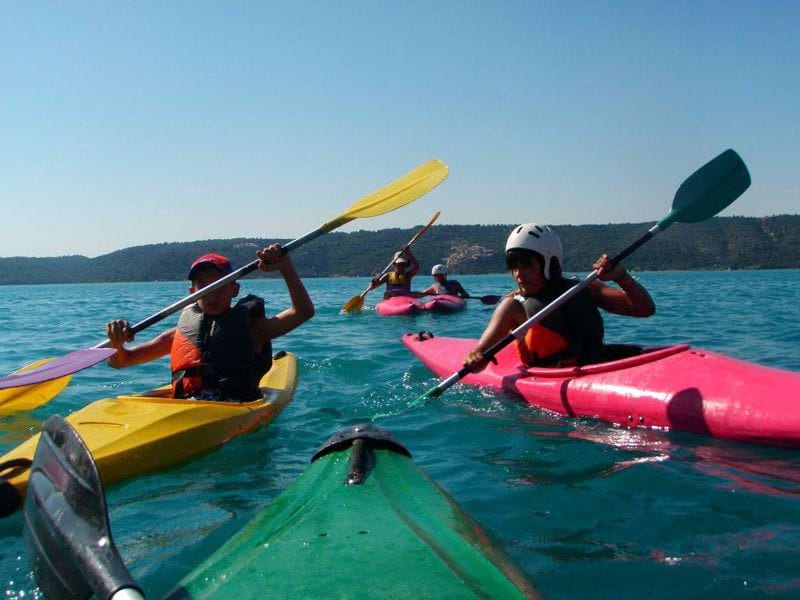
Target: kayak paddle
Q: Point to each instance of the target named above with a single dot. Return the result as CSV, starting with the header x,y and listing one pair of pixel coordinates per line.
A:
x,y
17,399
706,192
487,300
408,188
66,526
356,302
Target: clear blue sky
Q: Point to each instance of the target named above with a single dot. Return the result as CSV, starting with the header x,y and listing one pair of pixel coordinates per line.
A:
x,y
124,123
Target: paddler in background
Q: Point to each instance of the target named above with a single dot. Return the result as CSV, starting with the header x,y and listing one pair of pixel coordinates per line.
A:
x,y
220,351
398,281
443,285
573,335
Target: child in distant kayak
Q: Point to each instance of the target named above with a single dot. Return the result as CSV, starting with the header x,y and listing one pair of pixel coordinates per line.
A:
x,y
443,285
398,281
574,333
220,351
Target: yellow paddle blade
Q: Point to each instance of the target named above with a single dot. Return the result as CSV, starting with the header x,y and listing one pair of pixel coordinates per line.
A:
x,y
400,192
30,396
354,304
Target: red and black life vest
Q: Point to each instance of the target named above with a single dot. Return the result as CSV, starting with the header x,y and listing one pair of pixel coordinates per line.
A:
x,y
572,334
212,357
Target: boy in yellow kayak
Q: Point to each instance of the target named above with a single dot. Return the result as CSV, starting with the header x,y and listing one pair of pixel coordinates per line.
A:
x,y
398,281
574,333
219,351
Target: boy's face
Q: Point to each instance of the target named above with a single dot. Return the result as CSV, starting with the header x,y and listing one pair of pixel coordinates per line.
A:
x,y
440,278
219,301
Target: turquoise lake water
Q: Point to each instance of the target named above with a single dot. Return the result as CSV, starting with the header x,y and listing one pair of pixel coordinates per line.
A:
x,y
587,509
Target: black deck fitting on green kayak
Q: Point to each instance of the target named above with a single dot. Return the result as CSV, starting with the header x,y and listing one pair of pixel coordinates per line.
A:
x,y
66,520
361,463
364,439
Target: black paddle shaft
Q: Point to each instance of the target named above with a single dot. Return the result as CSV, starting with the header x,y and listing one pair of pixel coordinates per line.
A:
x,y
229,278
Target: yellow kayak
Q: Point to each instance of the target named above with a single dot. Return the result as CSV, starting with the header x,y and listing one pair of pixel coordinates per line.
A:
x,y
133,435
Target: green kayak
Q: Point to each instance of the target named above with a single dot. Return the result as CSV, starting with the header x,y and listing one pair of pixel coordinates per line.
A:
x,y
363,521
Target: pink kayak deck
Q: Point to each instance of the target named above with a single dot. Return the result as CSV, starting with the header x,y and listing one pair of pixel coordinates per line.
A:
x,y
678,387
443,303
406,305
398,305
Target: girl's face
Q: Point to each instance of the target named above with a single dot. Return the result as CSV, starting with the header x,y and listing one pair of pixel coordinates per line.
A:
x,y
529,277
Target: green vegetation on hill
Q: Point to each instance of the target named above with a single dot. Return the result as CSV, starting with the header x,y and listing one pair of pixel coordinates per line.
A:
x,y
721,243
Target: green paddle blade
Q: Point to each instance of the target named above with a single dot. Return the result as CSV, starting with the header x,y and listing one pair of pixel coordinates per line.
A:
x,y
709,190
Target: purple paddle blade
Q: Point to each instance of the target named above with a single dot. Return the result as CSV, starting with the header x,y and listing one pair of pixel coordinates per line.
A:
x,y
63,365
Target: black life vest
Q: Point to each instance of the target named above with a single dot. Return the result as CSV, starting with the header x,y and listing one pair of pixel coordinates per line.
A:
x,y
574,333
212,357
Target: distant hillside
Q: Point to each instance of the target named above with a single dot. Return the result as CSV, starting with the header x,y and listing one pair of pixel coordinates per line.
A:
x,y
721,243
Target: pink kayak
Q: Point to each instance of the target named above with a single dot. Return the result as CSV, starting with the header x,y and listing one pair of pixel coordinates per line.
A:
x,y
398,305
444,303
678,387
406,305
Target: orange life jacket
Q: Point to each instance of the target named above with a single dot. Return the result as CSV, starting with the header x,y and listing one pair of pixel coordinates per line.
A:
x,y
212,358
540,344
571,335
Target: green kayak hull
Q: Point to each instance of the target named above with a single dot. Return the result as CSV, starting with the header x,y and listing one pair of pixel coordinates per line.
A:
x,y
394,534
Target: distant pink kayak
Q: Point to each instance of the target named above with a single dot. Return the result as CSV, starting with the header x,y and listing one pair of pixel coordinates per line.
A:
x,y
406,305
444,303
398,305
679,387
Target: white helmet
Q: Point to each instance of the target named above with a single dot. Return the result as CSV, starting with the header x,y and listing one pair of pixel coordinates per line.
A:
x,y
538,238
439,270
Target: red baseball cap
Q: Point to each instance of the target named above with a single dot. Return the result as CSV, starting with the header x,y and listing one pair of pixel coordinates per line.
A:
x,y
215,260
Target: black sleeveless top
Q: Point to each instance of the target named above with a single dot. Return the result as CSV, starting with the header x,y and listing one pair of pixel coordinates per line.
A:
x,y
578,321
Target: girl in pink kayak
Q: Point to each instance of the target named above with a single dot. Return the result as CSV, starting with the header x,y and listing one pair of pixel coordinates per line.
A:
x,y
574,333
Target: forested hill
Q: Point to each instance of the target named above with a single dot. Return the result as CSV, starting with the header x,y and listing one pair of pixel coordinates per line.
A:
x,y
721,243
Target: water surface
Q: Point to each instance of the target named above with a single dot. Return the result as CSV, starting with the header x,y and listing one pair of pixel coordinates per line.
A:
x,y
587,509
